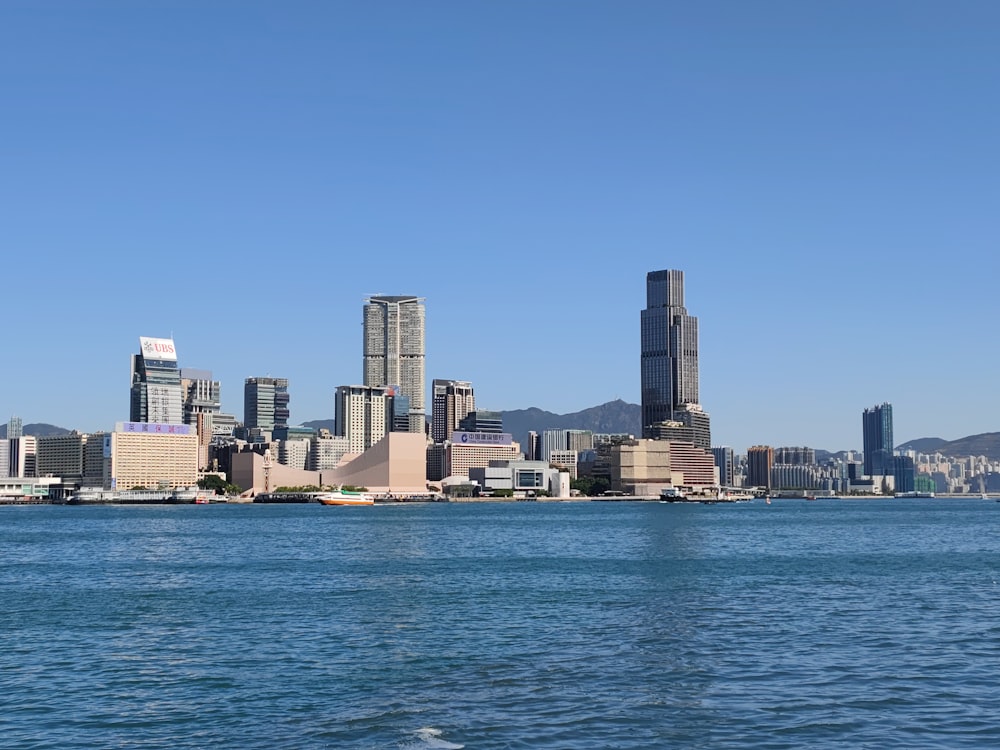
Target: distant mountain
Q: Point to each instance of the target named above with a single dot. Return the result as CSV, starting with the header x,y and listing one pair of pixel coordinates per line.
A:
x,y
39,429
613,417
986,444
924,445
320,424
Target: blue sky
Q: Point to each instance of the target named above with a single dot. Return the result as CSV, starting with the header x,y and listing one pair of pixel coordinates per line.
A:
x,y
240,175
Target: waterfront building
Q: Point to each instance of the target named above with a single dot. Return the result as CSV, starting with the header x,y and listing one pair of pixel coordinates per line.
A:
x,y
151,456
760,459
395,465
62,456
265,403
797,477
4,458
524,477
482,420
669,348
466,450
904,475
725,460
451,401
15,428
361,415
393,347
646,466
156,394
93,460
878,446
437,461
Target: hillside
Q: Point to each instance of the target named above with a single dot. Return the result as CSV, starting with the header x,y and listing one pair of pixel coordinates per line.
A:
x,y
985,444
39,429
612,417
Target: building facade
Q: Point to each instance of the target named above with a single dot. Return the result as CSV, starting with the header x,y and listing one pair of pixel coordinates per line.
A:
x,y
265,403
760,459
156,394
451,401
361,415
878,445
150,456
393,346
669,354
201,394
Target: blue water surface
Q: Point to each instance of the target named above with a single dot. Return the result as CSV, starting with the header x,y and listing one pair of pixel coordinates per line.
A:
x,y
828,624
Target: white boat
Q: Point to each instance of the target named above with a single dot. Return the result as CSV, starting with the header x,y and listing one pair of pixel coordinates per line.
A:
x,y
346,497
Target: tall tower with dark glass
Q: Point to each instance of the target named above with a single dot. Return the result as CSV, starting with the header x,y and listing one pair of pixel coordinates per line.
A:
x,y
877,426
669,365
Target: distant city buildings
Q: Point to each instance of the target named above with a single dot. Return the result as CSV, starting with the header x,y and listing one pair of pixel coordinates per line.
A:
x,y
14,428
156,394
393,345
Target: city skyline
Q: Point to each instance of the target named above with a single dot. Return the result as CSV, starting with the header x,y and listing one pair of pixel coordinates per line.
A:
x,y
812,169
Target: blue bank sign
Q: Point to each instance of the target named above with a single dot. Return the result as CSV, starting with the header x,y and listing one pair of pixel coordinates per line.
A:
x,y
481,438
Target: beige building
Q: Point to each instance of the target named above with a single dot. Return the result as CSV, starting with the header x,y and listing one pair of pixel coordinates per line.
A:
x,y
644,467
150,455
361,412
395,465
465,456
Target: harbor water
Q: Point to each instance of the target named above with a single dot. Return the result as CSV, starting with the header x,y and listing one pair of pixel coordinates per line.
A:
x,y
827,624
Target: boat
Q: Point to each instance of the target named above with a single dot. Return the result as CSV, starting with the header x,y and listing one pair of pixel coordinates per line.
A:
x,y
345,497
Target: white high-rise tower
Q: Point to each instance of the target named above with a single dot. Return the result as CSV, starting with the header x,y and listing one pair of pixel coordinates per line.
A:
x,y
394,350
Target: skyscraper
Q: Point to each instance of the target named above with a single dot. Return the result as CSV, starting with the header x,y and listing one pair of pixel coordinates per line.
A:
x,y
877,432
361,416
201,394
394,350
265,403
669,354
14,428
451,401
156,383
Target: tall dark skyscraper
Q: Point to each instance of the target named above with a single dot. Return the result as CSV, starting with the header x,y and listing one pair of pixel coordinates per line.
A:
x,y
669,366
877,426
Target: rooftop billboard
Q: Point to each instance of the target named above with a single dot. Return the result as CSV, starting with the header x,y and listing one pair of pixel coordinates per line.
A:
x,y
157,348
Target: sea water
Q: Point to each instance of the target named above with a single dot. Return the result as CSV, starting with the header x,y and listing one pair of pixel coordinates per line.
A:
x,y
835,623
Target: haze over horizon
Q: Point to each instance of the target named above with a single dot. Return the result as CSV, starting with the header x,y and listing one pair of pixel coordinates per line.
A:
x,y
240,176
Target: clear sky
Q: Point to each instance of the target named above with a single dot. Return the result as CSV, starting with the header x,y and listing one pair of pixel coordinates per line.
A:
x,y
241,175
